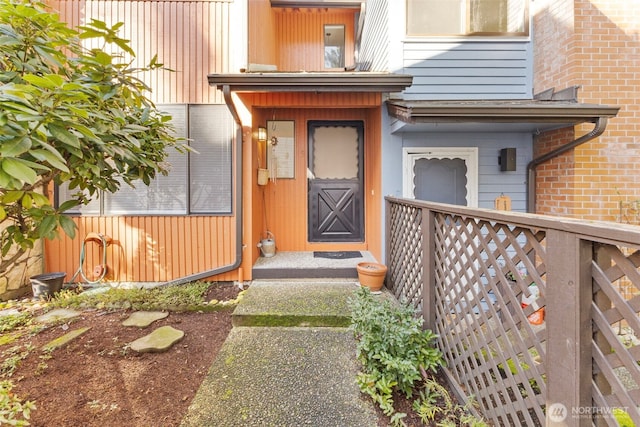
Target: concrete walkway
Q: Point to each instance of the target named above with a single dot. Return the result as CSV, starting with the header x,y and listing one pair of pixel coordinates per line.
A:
x,y
281,366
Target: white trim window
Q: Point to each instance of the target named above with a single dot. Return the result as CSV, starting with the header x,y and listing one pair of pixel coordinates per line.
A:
x,y
468,18
441,174
198,183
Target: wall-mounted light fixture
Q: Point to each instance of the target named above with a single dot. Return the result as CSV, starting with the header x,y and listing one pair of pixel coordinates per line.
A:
x,y
262,134
507,159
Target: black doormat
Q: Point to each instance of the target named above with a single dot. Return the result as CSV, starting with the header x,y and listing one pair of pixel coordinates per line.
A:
x,y
337,254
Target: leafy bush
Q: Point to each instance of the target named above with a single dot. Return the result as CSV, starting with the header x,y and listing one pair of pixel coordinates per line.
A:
x,y
392,347
13,411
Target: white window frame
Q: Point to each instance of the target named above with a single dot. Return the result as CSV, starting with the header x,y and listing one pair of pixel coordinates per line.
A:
x,y
464,23
468,154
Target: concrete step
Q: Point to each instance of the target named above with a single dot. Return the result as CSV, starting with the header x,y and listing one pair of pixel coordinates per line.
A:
x,y
310,303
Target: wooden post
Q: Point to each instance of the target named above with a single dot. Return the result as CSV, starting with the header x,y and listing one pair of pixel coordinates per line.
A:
x,y
428,270
568,317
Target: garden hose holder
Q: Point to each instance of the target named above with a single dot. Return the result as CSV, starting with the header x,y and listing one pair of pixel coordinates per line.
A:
x,y
100,271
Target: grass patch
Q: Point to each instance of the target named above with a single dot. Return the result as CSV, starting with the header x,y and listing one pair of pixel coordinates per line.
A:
x,y
188,297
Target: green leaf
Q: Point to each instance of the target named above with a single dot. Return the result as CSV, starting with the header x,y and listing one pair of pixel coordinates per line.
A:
x,y
3,214
50,157
50,81
68,226
27,201
15,146
40,199
69,204
47,226
64,136
19,170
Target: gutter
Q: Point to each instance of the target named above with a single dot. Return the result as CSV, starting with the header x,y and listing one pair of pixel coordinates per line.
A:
x,y
239,205
600,126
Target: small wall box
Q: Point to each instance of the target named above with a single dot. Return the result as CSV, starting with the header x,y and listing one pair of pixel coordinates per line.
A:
x,y
507,159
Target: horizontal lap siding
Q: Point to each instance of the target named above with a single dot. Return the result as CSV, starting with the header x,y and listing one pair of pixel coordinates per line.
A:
x,y
192,39
470,70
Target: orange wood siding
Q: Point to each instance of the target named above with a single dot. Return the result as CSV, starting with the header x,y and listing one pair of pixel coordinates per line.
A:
x,y
300,36
193,39
263,48
281,207
148,249
189,37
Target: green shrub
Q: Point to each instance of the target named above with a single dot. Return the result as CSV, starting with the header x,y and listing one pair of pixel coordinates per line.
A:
x,y
392,347
13,411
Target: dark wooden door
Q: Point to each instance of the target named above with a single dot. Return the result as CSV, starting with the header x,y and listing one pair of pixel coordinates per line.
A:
x,y
336,205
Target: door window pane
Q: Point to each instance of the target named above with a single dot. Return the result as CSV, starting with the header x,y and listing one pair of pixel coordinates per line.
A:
x,y
335,152
441,180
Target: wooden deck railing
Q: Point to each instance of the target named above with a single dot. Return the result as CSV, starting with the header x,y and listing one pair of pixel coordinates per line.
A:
x,y
469,270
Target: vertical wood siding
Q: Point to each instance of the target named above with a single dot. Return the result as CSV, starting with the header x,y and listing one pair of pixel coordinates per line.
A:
x,y
147,249
263,47
300,36
281,206
189,37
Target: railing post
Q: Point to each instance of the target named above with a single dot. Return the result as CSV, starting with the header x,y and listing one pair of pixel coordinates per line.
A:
x,y
428,270
569,332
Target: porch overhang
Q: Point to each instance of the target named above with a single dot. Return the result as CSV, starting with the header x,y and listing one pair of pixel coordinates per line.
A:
x,y
312,82
512,115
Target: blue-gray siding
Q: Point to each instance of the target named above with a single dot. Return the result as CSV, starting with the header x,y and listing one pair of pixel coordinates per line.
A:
x,y
469,68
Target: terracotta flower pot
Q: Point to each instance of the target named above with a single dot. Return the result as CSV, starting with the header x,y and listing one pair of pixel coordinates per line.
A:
x,y
371,275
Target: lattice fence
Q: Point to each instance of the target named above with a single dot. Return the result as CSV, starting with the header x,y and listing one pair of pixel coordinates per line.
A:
x,y
615,347
488,282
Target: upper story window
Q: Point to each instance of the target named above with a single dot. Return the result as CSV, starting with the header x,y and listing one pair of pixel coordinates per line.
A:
x,y
333,46
467,18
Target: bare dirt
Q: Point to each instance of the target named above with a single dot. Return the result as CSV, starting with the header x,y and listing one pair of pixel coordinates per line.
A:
x,y
96,380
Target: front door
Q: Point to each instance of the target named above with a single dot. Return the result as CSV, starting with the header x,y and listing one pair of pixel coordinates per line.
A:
x,y
336,160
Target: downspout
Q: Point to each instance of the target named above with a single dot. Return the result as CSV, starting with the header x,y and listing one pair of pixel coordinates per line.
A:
x,y
600,126
239,205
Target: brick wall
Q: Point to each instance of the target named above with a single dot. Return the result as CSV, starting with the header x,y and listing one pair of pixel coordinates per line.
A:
x,y
596,45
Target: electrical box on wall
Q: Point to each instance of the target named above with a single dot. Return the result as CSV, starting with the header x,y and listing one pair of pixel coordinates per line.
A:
x,y
507,159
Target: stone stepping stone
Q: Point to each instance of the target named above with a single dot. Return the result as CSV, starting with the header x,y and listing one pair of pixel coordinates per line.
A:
x,y
57,315
142,319
65,339
157,341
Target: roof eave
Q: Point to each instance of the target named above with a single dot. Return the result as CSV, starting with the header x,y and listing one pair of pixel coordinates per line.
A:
x,y
311,82
566,113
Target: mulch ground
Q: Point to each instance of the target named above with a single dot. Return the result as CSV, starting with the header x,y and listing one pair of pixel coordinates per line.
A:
x,y
96,380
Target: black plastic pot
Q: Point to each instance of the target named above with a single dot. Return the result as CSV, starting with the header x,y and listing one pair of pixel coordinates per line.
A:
x,y
46,285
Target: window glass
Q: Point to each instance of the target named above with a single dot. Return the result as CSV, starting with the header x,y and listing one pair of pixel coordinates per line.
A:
x,y
198,182
166,194
334,46
467,17
211,133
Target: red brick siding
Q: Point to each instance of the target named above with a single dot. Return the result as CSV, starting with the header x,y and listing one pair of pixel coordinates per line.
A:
x,y
593,44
